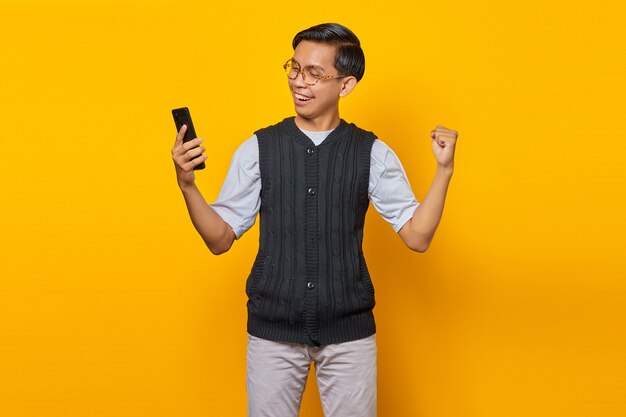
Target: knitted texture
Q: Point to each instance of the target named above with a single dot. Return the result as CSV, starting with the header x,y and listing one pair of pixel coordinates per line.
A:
x,y
309,283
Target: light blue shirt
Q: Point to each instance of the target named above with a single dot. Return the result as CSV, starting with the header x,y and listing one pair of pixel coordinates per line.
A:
x,y
239,199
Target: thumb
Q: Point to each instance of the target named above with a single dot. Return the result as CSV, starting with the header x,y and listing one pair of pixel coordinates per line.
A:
x,y
181,135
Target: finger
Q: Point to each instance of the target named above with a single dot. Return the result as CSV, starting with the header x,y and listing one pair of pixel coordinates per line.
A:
x,y
179,139
177,148
437,135
441,139
192,144
182,161
187,156
445,140
442,129
197,161
180,149
448,133
195,152
438,131
181,134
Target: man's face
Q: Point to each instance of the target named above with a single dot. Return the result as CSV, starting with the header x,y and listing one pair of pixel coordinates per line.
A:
x,y
321,99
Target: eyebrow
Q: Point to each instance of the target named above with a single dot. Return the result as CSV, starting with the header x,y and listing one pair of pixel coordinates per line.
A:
x,y
314,66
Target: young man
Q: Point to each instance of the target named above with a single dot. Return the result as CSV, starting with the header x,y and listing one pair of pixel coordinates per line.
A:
x,y
311,177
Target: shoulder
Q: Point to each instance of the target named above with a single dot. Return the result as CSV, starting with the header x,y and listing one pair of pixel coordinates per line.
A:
x,y
364,133
248,146
364,139
383,157
271,129
247,153
380,150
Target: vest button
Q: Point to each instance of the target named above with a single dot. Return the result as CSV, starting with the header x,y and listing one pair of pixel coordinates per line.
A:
x,y
310,151
310,285
311,191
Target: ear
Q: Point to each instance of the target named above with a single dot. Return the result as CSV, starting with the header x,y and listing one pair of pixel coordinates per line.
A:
x,y
347,85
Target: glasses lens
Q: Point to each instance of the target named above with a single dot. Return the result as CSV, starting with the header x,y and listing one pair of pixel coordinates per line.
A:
x,y
290,70
311,75
293,71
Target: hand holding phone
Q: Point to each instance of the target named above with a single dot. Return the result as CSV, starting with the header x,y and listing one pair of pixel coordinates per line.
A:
x,y
183,117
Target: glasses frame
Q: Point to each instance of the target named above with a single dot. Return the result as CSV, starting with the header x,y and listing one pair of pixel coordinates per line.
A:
x,y
300,71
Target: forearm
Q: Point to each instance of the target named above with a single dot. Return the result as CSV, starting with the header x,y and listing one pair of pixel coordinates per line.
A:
x,y
216,233
422,226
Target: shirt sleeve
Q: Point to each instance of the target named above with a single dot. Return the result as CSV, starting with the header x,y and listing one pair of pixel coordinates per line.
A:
x,y
389,188
239,199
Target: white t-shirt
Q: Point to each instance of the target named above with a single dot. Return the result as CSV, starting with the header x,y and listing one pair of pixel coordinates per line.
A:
x,y
239,199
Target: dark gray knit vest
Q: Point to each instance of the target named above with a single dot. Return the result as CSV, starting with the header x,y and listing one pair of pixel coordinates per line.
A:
x,y
309,283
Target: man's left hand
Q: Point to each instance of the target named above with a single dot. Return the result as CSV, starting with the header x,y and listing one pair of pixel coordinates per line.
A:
x,y
444,142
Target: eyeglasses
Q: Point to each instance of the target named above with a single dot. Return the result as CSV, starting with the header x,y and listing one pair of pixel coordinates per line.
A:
x,y
310,74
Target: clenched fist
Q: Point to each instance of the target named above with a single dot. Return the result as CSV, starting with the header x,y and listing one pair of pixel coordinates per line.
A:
x,y
444,142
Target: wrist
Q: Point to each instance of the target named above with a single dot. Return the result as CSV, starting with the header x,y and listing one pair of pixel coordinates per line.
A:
x,y
446,170
186,187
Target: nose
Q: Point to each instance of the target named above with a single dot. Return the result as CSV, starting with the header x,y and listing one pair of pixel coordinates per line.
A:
x,y
299,81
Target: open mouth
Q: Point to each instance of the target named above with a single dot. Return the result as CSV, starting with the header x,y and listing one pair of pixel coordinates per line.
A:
x,y
302,98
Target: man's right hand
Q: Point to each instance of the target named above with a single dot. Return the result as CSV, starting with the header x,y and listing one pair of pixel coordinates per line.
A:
x,y
183,155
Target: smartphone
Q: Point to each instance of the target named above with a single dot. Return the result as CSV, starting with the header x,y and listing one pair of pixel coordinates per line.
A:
x,y
183,117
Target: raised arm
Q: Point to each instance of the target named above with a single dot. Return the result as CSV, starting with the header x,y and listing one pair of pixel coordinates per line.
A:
x,y
419,231
216,233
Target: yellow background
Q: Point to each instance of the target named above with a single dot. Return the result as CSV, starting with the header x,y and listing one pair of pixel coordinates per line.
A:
x,y
111,305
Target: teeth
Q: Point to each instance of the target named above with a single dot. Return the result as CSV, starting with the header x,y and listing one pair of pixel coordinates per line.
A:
x,y
301,97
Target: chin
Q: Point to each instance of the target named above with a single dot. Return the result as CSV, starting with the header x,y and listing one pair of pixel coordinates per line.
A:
x,y
303,114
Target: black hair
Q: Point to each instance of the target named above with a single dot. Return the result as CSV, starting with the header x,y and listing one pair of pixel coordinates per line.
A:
x,y
349,57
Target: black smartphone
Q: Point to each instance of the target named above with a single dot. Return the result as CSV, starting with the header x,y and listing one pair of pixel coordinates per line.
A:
x,y
183,117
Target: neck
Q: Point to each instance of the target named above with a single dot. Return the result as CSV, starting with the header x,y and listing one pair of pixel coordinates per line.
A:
x,y
321,123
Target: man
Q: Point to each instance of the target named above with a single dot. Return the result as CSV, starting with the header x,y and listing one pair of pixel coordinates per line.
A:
x,y
311,177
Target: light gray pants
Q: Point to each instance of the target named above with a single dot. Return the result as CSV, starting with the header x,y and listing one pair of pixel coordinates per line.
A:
x,y
276,374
